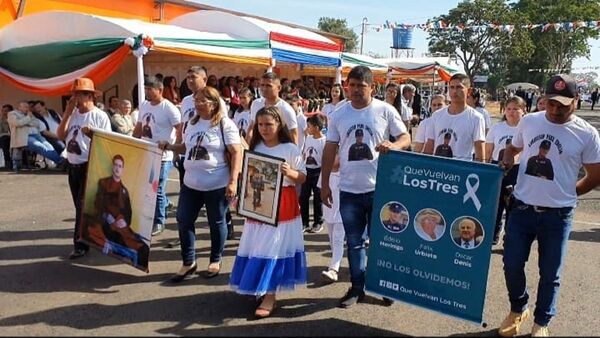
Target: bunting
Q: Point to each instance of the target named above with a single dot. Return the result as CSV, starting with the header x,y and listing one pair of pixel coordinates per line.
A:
x,y
440,24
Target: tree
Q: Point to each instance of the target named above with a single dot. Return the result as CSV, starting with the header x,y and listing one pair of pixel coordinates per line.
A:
x,y
339,27
557,49
476,47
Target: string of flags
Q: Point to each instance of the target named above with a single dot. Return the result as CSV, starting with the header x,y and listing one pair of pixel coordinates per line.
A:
x,y
558,70
440,24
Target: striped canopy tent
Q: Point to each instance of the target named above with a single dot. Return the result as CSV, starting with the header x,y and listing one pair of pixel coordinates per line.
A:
x,y
424,70
45,52
349,61
288,44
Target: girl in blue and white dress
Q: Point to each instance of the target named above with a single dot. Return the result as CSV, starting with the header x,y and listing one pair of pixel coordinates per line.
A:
x,y
271,259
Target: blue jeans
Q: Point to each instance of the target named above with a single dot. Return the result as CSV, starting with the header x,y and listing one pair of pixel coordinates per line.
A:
x,y
551,228
190,203
38,144
355,210
160,210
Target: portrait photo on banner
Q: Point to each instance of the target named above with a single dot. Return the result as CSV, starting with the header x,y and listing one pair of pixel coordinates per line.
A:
x,y
262,181
120,197
467,232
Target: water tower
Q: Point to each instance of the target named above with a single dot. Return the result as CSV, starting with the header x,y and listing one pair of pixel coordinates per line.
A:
x,y
402,43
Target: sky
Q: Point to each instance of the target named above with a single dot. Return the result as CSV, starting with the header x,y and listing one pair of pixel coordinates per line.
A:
x,y
308,12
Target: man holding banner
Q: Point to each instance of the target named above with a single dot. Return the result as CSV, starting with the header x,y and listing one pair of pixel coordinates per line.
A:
x,y
544,205
376,121
458,130
80,115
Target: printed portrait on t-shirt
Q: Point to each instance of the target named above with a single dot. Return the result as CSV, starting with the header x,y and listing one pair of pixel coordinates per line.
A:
x,y
72,145
146,129
198,152
540,165
310,159
242,124
501,153
359,151
444,150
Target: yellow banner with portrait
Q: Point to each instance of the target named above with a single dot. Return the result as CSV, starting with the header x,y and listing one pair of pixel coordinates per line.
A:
x,y
120,197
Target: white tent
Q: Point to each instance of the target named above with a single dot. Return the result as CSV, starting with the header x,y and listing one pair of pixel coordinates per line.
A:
x,y
288,44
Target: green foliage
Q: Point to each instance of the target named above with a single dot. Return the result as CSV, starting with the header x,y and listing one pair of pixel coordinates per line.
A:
x,y
339,27
474,47
555,49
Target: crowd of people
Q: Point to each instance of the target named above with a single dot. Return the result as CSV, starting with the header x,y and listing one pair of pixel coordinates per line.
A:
x,y
331,138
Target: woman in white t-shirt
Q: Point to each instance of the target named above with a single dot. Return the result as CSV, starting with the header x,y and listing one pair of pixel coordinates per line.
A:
x,y
242,115
475,100
210,179
437,102
497,139
336,94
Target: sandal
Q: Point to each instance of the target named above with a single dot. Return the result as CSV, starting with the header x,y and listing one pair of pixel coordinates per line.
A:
x,y
263,312
213,270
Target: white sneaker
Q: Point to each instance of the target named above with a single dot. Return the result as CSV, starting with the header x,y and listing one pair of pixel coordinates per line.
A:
x,y
539,331
330,275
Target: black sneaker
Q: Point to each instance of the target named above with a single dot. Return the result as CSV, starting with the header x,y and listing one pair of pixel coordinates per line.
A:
x,y
387,301
157,229
306,228
230,231
352,297
77,253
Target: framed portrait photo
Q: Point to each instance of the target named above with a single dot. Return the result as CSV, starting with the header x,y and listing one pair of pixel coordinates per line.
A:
x,y
261,186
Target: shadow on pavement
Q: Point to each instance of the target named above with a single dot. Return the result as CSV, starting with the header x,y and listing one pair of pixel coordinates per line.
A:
x,y
486,333
593,235
330,327
215,309
12,236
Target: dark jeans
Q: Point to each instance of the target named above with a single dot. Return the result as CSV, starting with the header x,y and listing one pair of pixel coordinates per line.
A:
x,y
310,186
5,145
355,210
178,163
77,175
551,228
190,203
509,179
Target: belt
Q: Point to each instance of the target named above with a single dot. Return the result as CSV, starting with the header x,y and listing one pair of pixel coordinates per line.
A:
x,y
537,208
80,165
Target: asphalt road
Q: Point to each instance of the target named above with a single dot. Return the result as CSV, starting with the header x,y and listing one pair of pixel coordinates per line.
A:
x,y
43,294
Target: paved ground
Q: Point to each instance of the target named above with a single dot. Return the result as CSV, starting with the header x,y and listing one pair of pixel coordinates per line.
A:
x,y
43,294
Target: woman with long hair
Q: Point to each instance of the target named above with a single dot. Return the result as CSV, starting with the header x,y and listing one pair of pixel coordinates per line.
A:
x,y
271,259
210,179
171,91
497,139
336,95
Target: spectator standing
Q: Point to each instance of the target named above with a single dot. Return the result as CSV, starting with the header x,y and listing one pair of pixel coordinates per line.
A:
x,y
5,135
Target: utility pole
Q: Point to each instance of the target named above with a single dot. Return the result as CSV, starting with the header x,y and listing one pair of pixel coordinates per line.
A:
x,y
362,33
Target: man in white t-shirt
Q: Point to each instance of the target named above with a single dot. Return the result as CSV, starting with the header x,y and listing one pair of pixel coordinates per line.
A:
x,y
159,121
270,86
545,198
369,123
80,115
458,128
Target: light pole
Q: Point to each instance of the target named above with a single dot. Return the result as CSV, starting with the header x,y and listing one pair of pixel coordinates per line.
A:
x,y
362,33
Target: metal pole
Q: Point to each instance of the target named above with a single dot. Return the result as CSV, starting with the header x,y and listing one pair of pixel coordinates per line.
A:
x,y
362,33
